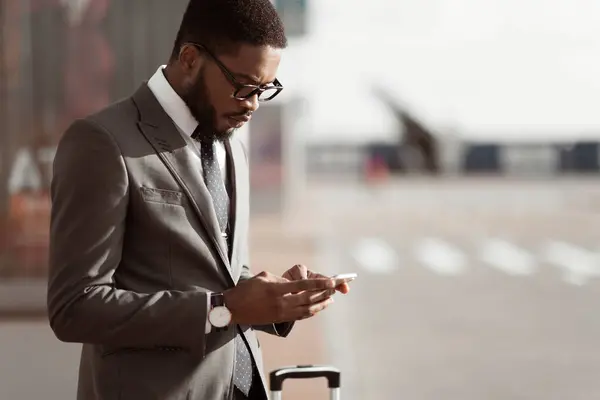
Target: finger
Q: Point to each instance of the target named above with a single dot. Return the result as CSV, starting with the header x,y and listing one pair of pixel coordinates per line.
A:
x,y
316,308
308,297
300,272
316,275
343,288
304,284
272,278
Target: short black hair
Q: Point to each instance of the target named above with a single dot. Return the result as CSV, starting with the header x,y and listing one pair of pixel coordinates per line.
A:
x,y
222,25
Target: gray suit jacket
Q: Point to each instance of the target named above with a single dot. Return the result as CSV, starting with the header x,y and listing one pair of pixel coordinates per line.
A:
x,y
134,246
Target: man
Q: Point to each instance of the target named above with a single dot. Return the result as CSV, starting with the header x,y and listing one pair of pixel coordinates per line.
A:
x,y
149,228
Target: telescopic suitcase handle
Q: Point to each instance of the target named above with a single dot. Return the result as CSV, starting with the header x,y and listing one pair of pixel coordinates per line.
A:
x,y
332,374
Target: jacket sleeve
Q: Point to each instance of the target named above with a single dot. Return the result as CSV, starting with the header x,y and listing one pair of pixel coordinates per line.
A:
x,y
89,195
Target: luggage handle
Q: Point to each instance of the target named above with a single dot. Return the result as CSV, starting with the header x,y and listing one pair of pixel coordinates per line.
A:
x,y
278,376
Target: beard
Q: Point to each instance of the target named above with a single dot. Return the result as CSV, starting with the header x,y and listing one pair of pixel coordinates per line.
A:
x,y
197,99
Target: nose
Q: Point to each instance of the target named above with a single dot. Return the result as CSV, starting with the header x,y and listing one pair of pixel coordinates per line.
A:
x,y
251,104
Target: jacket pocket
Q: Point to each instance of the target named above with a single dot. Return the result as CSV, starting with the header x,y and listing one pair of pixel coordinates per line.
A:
x,y
152,373
163,196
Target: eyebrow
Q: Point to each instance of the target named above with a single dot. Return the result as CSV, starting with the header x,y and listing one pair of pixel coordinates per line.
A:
x,y
251,78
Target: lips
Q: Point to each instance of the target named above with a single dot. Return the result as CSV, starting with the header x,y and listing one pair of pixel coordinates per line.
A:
x,y
242,118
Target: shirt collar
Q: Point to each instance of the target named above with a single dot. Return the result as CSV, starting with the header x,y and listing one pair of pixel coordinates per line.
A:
x,y
170,101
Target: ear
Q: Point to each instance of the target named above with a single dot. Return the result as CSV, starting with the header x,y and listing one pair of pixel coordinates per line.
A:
x,y
190,59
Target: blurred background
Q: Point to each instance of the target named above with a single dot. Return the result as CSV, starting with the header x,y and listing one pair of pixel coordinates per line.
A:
x,y
446,151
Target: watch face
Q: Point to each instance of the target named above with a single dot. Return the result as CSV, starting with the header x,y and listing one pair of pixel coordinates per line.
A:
x,y
219,317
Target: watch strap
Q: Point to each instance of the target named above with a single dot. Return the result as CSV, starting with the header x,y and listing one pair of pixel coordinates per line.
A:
x,y
217,300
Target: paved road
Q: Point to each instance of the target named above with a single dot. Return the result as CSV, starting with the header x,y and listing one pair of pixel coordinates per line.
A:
x,y
468,290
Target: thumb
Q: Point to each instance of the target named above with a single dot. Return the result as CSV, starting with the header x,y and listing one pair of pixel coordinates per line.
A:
x,y
303,271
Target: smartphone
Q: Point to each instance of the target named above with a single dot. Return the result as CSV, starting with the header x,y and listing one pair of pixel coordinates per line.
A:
x,y
344,278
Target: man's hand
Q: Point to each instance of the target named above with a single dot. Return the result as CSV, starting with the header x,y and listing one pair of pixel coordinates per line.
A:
x,y
268,299
299,272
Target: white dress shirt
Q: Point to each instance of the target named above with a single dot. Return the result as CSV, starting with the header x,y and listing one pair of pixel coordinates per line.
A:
x,y
178,111
176,108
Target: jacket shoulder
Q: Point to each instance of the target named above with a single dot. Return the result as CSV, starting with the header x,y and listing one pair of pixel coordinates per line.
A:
x,y
116,116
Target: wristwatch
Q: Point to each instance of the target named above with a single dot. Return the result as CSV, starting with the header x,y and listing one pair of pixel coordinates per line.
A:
x,y
219,315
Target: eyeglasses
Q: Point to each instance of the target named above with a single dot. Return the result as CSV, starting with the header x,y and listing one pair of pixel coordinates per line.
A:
x,y
243,91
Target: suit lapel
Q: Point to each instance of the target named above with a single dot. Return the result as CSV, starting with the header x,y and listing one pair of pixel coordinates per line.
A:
x,y
181,158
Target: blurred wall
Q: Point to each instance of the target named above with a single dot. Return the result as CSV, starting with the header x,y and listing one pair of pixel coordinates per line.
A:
x,y
34,364
61,60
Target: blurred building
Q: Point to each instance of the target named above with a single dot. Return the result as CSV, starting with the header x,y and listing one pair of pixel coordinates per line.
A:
x,y
61,60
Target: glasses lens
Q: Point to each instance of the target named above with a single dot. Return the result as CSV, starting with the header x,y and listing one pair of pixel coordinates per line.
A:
x,y
245,92
268,94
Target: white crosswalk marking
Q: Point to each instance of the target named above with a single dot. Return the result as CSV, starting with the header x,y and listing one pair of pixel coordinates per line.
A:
x,y
440,256
507,257
376,256
578,265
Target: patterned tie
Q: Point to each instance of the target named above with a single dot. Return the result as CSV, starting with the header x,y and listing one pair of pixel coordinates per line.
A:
x,y
214,183
243,372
